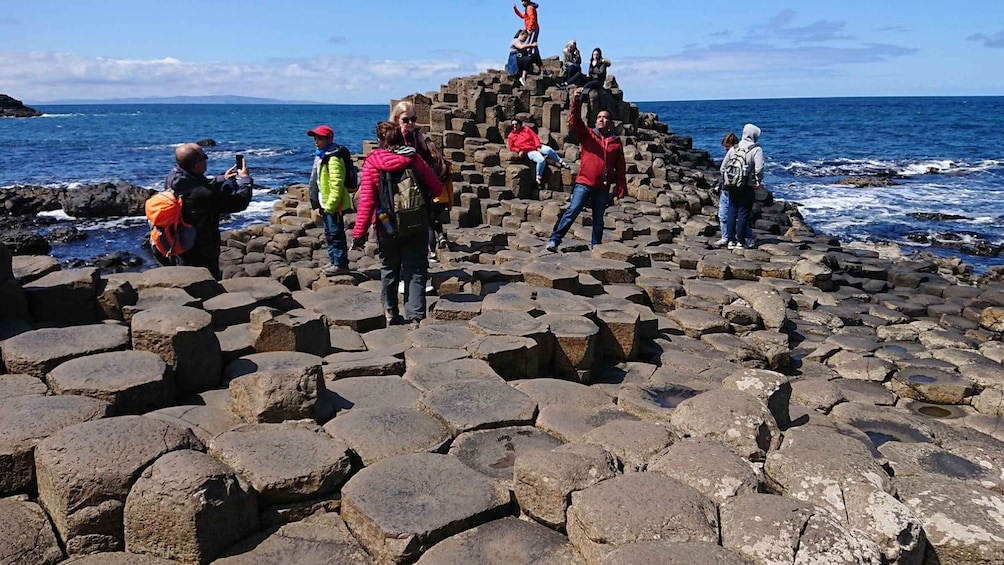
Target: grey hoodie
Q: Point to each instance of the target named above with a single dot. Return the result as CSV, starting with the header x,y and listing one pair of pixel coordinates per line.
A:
x,y
751,134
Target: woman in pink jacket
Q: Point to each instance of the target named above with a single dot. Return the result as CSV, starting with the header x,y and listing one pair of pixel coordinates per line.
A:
x,y
401,258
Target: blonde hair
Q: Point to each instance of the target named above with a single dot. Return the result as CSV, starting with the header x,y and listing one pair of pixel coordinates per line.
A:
x,y
400,108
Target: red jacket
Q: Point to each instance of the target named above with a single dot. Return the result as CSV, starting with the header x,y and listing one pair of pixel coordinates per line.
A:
x,y
599,154
523,140
529,18
369,182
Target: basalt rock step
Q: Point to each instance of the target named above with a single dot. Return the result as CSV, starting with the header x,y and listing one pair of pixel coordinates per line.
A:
x,y
632,401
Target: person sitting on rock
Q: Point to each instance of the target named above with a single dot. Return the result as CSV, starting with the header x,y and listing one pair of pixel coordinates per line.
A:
x,y
204,200
596,79
521,48
572,59
524,141
601,167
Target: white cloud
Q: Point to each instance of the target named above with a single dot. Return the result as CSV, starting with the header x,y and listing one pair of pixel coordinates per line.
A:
x,y
44,76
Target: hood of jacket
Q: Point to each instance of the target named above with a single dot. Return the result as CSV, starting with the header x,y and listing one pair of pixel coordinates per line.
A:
x,y
751,134
392,160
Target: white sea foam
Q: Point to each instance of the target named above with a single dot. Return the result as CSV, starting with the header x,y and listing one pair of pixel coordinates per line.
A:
x,y
69,115
56,215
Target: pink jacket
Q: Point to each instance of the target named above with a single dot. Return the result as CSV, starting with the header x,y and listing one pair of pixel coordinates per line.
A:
x,y
369,182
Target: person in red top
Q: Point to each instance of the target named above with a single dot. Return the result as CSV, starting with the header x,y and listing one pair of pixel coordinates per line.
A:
x,y
532,27
524,141
601,166
400,258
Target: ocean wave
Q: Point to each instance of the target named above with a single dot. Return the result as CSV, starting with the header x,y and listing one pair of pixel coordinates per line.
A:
x,y
69,115
853,167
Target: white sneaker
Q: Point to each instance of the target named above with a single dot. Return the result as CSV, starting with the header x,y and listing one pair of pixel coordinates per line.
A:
x,y
551,246
522,81
721,242
732,245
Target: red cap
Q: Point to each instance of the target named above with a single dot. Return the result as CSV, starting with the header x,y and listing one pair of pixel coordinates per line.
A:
x,y
321,131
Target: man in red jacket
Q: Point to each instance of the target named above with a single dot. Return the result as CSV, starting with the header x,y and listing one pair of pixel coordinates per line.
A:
x,y
524,141
601,166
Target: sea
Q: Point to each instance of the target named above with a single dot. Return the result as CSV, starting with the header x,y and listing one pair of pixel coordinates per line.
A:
x,y
943,154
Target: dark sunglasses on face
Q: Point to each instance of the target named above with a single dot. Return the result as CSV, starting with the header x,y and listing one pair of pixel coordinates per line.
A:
x,y
413,119
202,157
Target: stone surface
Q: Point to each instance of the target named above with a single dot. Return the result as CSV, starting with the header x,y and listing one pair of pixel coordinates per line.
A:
x,y
85,472
638,507
428,377
320,539
189,507
710,467
480,404
184,338
670,553
26,537
544,480
287,462
37,352
27,420
493,452
633,443
131,382
737,419
376,433
401,506
503,542
275,396
775,529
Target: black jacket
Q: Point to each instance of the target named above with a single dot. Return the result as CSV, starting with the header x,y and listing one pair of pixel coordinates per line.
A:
x,y
204,200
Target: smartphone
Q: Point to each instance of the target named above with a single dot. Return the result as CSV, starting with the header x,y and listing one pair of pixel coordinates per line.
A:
x,y
239,161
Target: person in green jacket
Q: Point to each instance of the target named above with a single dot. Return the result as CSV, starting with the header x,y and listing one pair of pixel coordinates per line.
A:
x,y
330,197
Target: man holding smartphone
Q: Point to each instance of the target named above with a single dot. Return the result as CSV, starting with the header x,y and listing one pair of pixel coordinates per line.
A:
x,y
203,201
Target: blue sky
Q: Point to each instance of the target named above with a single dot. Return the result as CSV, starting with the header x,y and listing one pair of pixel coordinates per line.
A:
x,y
336,51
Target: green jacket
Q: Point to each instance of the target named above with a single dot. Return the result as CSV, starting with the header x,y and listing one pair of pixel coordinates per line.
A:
x,y
334,197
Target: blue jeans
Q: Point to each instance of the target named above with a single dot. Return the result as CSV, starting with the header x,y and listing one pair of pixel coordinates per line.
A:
x,y
540,157
737,223
598,200
334,236
407,260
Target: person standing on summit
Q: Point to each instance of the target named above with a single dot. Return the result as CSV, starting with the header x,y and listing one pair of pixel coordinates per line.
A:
x,y
532,28
204,200
601,166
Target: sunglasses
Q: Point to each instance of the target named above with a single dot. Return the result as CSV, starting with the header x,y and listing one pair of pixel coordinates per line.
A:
x,y
202,157
413,120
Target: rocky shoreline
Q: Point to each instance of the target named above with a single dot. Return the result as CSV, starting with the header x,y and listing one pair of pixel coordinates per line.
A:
x,y
651,400
13,108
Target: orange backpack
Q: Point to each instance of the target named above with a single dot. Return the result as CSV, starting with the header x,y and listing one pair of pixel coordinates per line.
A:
x,y
170,235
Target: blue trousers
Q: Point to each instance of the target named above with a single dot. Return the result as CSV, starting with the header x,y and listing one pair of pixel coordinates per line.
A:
x,y
740,206
598,199
540,158
334,236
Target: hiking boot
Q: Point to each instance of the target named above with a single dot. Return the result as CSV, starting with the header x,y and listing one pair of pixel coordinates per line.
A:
x,y
721,242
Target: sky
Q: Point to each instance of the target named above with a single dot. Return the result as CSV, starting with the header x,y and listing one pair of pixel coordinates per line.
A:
x,y
369,51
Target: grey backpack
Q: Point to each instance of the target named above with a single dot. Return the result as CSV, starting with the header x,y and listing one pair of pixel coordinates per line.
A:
x,y
736,171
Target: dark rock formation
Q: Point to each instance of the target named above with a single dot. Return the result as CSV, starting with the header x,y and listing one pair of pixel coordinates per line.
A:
x,y
103,200
936,216
207,142
13,108
28,200
868,181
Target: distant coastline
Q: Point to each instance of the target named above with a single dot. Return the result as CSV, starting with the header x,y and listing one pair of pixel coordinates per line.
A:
x,y
215,99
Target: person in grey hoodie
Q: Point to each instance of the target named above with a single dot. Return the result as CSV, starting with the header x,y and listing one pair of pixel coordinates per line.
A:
x,y
741,198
